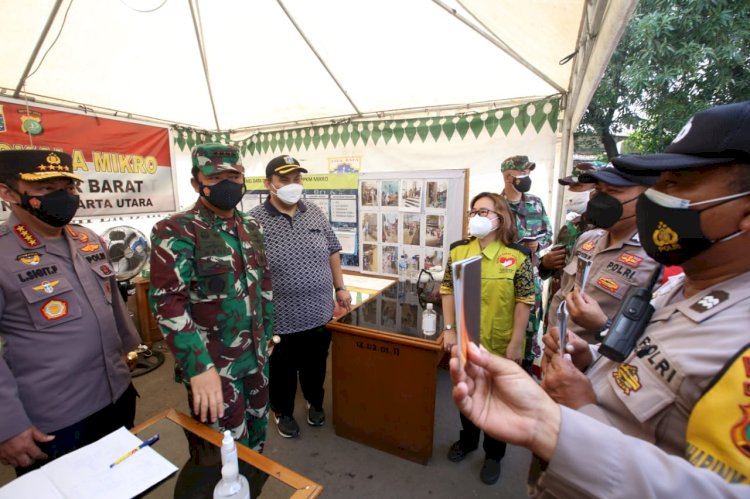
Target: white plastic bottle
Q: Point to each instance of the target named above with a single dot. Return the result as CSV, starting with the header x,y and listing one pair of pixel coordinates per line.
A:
x,y
232,485
429,321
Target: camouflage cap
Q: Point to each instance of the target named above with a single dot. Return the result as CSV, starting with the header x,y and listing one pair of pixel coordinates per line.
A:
x,y
578,170
31,166
519,163
215,158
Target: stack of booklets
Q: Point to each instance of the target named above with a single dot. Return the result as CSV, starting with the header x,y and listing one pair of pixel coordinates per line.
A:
x,y
87,472
467,292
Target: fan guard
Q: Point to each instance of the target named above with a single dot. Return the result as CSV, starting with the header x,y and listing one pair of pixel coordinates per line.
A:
x,y
128,249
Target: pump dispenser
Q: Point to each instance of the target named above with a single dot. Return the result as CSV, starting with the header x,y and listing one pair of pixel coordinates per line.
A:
x,y
228,449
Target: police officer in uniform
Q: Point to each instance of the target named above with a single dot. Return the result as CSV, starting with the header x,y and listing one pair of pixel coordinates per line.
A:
x,y
613,254
64,378
683,388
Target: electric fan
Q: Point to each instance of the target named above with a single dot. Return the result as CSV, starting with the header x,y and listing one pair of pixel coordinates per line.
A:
x,y
129,252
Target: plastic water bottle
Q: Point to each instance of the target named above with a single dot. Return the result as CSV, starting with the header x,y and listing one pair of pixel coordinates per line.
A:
x,y
429,321
403,264
232,485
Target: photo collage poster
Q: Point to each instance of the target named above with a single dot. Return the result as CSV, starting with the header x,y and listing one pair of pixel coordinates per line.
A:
x,y
402,216
336,196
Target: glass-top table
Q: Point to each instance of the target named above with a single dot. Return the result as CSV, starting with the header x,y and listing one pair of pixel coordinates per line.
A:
x,y
396,309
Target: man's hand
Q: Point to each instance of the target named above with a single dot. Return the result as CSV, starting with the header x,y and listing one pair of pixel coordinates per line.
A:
x,y
554,259
577,348
131,360
344,299
585,311
208,399
21,450
566,384
504,401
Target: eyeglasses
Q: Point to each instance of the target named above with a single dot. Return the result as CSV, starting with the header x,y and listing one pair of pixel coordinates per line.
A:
x,y
482,212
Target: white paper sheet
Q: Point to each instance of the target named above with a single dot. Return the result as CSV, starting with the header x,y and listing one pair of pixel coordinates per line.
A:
x,y
86,473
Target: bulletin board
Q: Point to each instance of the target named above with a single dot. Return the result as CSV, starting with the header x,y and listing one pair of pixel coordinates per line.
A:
x,y
417,214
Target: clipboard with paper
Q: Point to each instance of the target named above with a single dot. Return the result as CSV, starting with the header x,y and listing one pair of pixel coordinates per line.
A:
x,y
467,289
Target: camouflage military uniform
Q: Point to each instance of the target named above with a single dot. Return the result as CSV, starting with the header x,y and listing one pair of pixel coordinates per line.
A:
x,y
531,221
211,295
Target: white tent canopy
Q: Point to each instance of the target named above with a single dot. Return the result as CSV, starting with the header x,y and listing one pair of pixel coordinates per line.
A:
x,y
237,64
261,69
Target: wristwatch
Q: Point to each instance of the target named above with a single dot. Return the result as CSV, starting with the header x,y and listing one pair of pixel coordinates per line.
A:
x,y
448,327
340,288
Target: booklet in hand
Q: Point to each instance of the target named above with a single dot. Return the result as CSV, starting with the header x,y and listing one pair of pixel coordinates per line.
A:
x,y
467,289
582,273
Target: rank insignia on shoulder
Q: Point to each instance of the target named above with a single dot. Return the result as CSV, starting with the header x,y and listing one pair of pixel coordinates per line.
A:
x,y
25,235
710,301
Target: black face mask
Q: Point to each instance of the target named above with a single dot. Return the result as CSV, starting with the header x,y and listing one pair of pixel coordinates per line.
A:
x,y
673,236
225,195
604,210
522,184
55,208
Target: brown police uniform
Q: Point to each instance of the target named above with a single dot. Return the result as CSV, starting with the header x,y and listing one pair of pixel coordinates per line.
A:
x,y
615,268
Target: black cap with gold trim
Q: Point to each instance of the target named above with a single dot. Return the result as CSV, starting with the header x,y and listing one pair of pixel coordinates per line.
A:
x,y
32,166
281,165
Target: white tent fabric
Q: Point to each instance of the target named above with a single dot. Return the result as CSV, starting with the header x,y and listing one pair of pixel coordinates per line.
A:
x,y
250,67
270,62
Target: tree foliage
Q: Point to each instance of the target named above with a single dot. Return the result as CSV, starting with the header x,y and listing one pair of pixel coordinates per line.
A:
x,y
676,57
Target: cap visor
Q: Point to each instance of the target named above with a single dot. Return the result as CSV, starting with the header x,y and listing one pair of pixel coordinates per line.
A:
x,y
33,177
566,181
665,161
283,170
608,178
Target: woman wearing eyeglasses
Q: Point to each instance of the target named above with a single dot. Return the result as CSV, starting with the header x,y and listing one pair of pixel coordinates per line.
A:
x,y
507,296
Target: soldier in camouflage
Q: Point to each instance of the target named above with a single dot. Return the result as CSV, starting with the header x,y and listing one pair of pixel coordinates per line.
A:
x,y
211,295
576,199
534,232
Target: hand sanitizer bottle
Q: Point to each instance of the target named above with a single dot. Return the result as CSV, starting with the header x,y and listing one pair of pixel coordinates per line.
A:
x,y
232,485
429,321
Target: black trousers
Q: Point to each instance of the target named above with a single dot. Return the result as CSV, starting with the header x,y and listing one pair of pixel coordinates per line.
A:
x,y
304,354
493,449
88,430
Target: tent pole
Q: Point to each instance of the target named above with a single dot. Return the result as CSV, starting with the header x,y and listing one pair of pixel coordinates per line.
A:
x,y
320,59
38,47
205,65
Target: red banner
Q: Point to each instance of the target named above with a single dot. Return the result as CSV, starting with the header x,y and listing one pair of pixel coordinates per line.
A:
x,y
126,167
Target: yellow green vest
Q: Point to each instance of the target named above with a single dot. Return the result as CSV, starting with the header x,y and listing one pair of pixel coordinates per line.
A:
x,y
499,266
